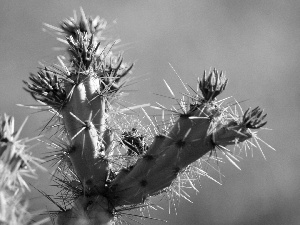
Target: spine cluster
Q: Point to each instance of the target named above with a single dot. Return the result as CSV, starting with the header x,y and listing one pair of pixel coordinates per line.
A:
x,y
16,163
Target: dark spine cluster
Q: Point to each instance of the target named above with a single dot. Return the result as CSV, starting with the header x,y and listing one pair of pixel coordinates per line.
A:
x,y
213,84
253,119
47,88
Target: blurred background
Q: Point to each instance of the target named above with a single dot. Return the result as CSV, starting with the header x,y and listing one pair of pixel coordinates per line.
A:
x,y
255,42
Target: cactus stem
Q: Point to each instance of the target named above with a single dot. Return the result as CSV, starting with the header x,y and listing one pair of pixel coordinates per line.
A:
x,y
180,143
143,182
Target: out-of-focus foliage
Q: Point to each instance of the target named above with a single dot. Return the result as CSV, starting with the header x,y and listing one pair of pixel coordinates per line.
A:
x,y
252,40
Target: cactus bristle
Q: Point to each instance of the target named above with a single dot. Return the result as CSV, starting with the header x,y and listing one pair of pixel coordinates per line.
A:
x,y
109,158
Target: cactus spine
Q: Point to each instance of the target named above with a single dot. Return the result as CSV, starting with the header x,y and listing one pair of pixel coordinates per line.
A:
x,y
16,162
81,93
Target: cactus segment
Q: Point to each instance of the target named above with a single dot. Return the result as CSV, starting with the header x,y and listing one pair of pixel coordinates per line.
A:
x,y
81,97
186,142
230,133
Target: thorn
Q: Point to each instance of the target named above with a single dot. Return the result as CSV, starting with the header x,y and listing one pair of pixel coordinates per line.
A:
x,y
169,89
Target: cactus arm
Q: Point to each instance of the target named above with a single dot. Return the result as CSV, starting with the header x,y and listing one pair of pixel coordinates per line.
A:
x,y
79,119
194,134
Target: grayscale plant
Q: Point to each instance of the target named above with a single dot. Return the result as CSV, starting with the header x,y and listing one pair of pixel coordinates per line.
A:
x,y
108,161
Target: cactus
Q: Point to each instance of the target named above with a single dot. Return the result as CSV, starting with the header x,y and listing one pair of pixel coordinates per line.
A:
x,y
107,161
16,163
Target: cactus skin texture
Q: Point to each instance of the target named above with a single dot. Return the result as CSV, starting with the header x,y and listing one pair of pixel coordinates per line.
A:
x,y
101,178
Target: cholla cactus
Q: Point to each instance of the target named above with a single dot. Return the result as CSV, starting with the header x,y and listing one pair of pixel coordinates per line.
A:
x,y
16,162
107,161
